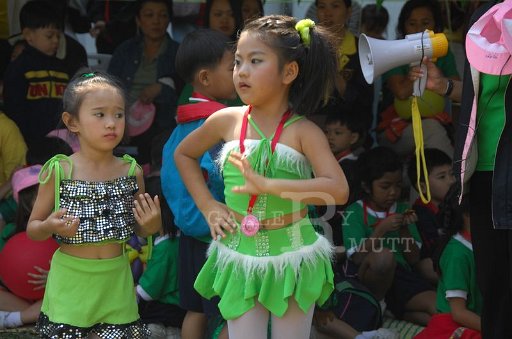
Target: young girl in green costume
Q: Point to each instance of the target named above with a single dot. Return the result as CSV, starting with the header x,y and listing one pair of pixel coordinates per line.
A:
x,y
267,260
86,202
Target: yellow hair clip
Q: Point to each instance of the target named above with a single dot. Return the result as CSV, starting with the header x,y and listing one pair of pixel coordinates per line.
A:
x,y
303,27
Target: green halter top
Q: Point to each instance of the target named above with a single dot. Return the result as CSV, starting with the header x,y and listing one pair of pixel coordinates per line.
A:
x,y
284,163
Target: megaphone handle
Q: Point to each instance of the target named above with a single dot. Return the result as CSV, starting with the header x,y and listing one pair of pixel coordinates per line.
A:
x,y
420,83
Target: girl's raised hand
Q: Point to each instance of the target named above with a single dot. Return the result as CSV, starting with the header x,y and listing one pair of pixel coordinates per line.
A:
x,y
147,213
39,279
58,223
219,219
254,183
410,217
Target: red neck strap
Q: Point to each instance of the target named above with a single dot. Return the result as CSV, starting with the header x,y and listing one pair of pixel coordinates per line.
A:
x,y
273,144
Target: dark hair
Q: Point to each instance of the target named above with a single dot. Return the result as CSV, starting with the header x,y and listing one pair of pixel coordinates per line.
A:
x,y
202,48
350,120
376,162
450,217
374,18
83,81
167,3
411,5
348,3
26,199
236,8
40,14
433,158
42,149
154,187
317,62
260,8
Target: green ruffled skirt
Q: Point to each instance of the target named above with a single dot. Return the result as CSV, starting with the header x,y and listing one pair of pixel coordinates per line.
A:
x,y
269,268
85,296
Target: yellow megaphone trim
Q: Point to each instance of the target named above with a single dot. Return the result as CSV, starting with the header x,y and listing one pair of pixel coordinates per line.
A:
x,y
439,45
421,164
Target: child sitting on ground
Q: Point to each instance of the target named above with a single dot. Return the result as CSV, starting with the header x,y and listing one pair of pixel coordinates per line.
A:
x,y
382,241
440,178
16,311
157,290
345,134
459,301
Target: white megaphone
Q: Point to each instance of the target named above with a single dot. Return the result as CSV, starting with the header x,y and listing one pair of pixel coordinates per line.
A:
x,y
378,56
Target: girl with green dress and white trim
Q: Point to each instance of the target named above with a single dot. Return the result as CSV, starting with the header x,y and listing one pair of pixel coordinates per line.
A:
x,y
92,202
267,262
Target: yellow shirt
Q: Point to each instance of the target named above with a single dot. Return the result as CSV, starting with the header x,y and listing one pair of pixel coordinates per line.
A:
x,y
12,148
348,47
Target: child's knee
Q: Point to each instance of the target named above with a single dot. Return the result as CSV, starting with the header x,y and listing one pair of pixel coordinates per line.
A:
x,y
382,261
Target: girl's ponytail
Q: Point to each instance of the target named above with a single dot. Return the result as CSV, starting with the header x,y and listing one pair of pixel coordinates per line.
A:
x,y
317,69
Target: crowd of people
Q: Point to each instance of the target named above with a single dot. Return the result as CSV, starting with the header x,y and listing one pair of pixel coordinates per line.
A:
x,y
241,182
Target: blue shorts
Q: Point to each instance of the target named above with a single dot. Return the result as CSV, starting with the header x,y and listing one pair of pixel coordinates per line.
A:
x,y
192,256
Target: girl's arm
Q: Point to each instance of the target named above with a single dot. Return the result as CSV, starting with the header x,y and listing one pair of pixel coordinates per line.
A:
x,y
146,210
187,156
328,187
462,316
43,222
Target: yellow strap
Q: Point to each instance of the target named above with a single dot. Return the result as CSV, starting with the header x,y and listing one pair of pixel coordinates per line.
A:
x,y
421,164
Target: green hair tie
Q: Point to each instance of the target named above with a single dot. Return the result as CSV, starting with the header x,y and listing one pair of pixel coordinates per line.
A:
x,y
88,75
303,27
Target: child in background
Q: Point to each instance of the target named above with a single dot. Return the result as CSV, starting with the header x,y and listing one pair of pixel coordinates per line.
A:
x,y
157,289
459,301
86,202
266,260
34,101
395,128
205,60
39,153
224,16
382,241
374,21
440,179
12,156
345,133
351,89
14,310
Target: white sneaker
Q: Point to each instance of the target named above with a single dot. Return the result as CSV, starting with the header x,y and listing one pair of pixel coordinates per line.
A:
x,y
381,333
3,316
386,333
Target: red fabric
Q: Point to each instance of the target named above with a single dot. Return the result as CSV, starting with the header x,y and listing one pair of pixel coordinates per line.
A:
x,y
442,326
197,110
393,125
431,206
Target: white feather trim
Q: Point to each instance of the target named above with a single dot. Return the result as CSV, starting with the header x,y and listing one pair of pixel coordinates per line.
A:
x,y
309,255
286,156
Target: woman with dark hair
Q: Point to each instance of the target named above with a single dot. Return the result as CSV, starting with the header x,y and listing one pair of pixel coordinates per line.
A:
x,y
145,65
224,16
251,9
